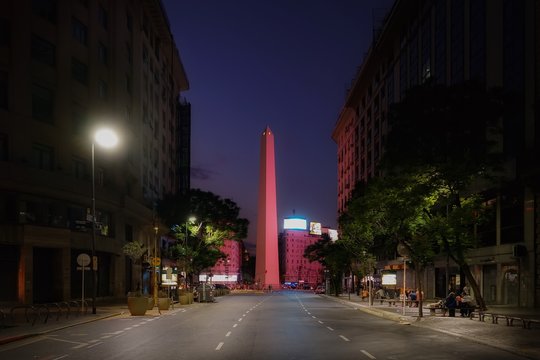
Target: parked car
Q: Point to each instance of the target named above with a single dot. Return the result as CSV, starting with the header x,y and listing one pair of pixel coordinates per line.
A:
x,y
320,290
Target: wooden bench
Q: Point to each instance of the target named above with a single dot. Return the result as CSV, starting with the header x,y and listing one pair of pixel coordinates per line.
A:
x,y
391,302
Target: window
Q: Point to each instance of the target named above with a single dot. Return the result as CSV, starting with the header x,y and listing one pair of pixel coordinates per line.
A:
x,y
102,16
129,84
102,53
79,118
102,90
440,41
129,22
5,33
43,51
45,8
477,43
79,31
79,71
4,87
4,154
42,104
129,53
457,41
42,157
79,168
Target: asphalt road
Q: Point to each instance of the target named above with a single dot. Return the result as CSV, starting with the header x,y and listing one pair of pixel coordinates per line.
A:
x,y
281,325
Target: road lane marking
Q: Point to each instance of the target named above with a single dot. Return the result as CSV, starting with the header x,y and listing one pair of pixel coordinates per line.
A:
x,y
367,354
329,328
313,316
320,322
235,325
219,346
344,338
96,344
228,334
60,357
239,319
62,340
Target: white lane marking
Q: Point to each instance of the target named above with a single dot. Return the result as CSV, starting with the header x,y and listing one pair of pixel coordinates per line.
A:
x,y
219,346
344,338
320,322
114,333
313,316
228,334
106,336
239,319
235,325
96,344
367,354
79,346
136,325
66,341
244,315
60,357
309,313
329,328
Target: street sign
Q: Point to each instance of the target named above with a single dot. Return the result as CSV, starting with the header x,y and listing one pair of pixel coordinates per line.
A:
x,y
83,259
155,261
86,268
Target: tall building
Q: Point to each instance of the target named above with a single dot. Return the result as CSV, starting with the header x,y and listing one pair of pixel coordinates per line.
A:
x,y
449,42
294,267
67,67
267,262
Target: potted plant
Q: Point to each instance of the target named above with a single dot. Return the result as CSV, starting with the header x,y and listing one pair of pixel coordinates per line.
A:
x,y
137,303
164,302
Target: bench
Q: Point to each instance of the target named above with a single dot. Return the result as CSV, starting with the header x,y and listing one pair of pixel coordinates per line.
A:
x,y
391,302
525,323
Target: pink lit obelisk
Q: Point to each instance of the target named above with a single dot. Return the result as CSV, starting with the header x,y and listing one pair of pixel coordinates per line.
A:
x,y
267,264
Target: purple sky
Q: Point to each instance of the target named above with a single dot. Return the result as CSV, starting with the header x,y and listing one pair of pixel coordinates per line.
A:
x,y
282,63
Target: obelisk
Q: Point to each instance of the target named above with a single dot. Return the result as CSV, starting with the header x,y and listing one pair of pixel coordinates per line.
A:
x,y
267,263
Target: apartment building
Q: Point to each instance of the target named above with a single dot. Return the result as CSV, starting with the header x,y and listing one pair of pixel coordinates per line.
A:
x,y
66,68
449,42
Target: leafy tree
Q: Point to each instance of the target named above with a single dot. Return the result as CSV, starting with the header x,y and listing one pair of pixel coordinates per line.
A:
x,y
199,241
334,256
449,134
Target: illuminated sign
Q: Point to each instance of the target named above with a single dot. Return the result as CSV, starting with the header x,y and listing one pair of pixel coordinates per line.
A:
x,y
295,224
333,234
315,228
389,278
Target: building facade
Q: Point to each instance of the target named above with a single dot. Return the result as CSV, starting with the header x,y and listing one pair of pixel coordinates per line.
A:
x,y
67,67
450,42
227,271
295,268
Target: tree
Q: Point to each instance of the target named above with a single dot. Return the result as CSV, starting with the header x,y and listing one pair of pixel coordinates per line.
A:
x,y
387,214
333,256
199,241
449,134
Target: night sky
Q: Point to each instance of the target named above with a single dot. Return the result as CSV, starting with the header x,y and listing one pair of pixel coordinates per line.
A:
x,y
286,64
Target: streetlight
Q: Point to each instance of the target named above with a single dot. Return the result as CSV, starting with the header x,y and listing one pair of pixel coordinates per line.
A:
x,y
105,138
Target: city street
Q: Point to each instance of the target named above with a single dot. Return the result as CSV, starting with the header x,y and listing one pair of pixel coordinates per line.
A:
x,y
281,325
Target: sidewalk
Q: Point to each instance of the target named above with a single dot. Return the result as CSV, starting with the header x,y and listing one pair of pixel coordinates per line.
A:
x,y
10,332
515,339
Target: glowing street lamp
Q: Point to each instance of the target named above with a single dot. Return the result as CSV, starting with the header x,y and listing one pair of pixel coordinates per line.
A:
x,y
105,138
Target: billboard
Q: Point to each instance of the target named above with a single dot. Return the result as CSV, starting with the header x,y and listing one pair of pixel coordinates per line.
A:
x,y
389,278
295,224
333,234
315,228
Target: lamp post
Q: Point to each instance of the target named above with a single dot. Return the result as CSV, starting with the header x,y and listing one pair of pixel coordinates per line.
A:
x,y
105,138
155,263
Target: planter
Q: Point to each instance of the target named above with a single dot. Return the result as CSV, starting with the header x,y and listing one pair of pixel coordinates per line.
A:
x,y
184,299
150,304
137,305
164,303
190,298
